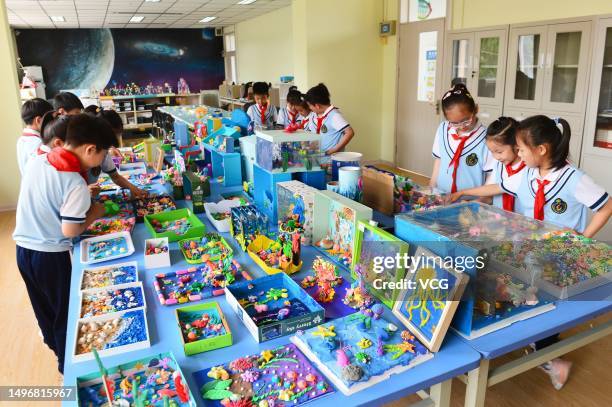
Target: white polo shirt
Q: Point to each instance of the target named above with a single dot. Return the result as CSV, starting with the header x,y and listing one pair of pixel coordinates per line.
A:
x,y
271,115
27,147
52,192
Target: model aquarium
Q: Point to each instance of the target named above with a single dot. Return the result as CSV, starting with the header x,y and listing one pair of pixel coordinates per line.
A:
x,y
279,151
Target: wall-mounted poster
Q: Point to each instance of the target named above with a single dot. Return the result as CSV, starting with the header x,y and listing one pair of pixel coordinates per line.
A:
x,y
420,10
99,58
428,54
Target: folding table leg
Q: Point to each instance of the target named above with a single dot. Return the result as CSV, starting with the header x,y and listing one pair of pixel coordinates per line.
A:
x,y
440,393
476,388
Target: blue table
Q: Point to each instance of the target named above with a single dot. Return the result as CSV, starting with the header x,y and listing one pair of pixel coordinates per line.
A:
x,y
566,315
454,358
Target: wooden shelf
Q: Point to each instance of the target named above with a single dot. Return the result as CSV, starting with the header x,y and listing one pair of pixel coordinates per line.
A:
x,y
137,126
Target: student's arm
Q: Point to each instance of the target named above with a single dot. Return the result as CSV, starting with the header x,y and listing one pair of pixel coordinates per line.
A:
x,y
599,220
433,181
119,180
344,140
77,211
483,191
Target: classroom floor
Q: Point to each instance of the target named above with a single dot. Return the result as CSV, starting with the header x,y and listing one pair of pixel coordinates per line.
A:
x,y
27,361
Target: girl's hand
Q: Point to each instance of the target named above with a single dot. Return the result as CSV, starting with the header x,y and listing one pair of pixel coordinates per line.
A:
x,y
94,190
454,197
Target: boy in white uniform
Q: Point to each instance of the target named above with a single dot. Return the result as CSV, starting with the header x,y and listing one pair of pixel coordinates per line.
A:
x,y
32,112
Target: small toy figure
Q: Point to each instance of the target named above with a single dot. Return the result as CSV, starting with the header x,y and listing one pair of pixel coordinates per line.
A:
x,y
182,87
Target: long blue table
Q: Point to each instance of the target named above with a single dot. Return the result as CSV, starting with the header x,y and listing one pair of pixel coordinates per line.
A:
x,y
567,314
454,358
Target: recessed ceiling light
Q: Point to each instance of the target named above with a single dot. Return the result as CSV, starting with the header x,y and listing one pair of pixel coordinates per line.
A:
x,y
244,2
207,19
136,19
58,19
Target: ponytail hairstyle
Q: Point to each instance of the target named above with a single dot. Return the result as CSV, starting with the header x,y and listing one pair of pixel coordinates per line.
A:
x,y
91,109
54,126
555,133
112,118
503,131
456,95
318,95
294,96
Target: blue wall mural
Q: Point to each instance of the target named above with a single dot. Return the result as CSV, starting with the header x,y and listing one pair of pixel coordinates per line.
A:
x,y
85,58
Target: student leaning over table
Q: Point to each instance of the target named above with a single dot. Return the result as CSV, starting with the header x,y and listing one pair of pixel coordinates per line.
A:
x,y
55,206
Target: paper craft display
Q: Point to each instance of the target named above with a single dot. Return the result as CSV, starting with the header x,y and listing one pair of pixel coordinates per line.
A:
x,y
296,200
373,243
279,151
281,376
105,276
196,283
107,247
203,328
153,204
357,351
102,301
247,222
111,334
335,222
211,247
427,310
273,306
156,380
562,264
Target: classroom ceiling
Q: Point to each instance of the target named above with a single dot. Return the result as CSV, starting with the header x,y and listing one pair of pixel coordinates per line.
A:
x,y
118,13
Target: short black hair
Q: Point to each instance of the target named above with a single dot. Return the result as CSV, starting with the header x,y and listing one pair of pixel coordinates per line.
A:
x,y
294,96
67,101
112,118
86,129
318,95
503,131
54,126
458,95
91,109
34,108
261,88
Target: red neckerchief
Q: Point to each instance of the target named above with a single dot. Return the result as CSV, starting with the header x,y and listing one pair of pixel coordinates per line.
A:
x,y
292,116
457,157
65,161
29,133
303,123
540,200
322,118
507,199
262,112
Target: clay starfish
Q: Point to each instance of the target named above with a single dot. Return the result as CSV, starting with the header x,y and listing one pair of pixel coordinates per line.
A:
x,y
324,332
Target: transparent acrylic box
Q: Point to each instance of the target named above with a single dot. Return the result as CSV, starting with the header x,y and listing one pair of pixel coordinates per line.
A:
x,y
279,151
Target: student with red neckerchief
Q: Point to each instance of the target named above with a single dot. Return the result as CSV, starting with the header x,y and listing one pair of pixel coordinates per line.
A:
x,y
32,112
55,206
262,113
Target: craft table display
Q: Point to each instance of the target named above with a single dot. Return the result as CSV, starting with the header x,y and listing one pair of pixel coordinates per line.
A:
x,y
496,297
454,358
280,151
296,200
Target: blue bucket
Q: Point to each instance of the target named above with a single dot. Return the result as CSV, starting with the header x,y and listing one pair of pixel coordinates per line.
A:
x,y
344,159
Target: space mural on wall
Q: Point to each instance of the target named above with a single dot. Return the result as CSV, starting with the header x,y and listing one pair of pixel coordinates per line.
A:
x,y
99,58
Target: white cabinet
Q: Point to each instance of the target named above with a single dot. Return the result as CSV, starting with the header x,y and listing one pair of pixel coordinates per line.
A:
x,y
478,60
548,67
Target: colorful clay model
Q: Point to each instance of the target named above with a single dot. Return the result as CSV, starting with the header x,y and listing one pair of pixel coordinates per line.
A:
x,y
197,283
179,226
106,249
113,225
247,223
209,248
152,248
360,351
275,377
152,205
326,277
357,296
153,381
111,332
109,275
203,328
111,299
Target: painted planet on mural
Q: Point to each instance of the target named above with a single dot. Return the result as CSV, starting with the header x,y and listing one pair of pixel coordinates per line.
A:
x,y
83,61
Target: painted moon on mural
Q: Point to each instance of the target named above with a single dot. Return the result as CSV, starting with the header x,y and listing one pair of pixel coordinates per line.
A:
x,y
86,61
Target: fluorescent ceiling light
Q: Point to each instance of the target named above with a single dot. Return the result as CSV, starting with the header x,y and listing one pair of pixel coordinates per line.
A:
x,y
58,19
244,2
152,1
136,19
207,19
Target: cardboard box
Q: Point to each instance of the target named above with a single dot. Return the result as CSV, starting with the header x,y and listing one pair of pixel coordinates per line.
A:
x,y
153,261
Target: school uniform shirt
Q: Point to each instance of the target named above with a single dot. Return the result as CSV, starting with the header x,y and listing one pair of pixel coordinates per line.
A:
x,y
465,159
43,149
263,117
53,192
107,167
500,174
561,197
27,145
330,125
285,117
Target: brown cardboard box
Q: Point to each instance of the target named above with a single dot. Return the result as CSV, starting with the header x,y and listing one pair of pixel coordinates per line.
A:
x,y
223,90
378,185
275,97
236,91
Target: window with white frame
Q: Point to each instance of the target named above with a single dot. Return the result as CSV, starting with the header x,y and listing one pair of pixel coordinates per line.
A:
x,y
229,45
